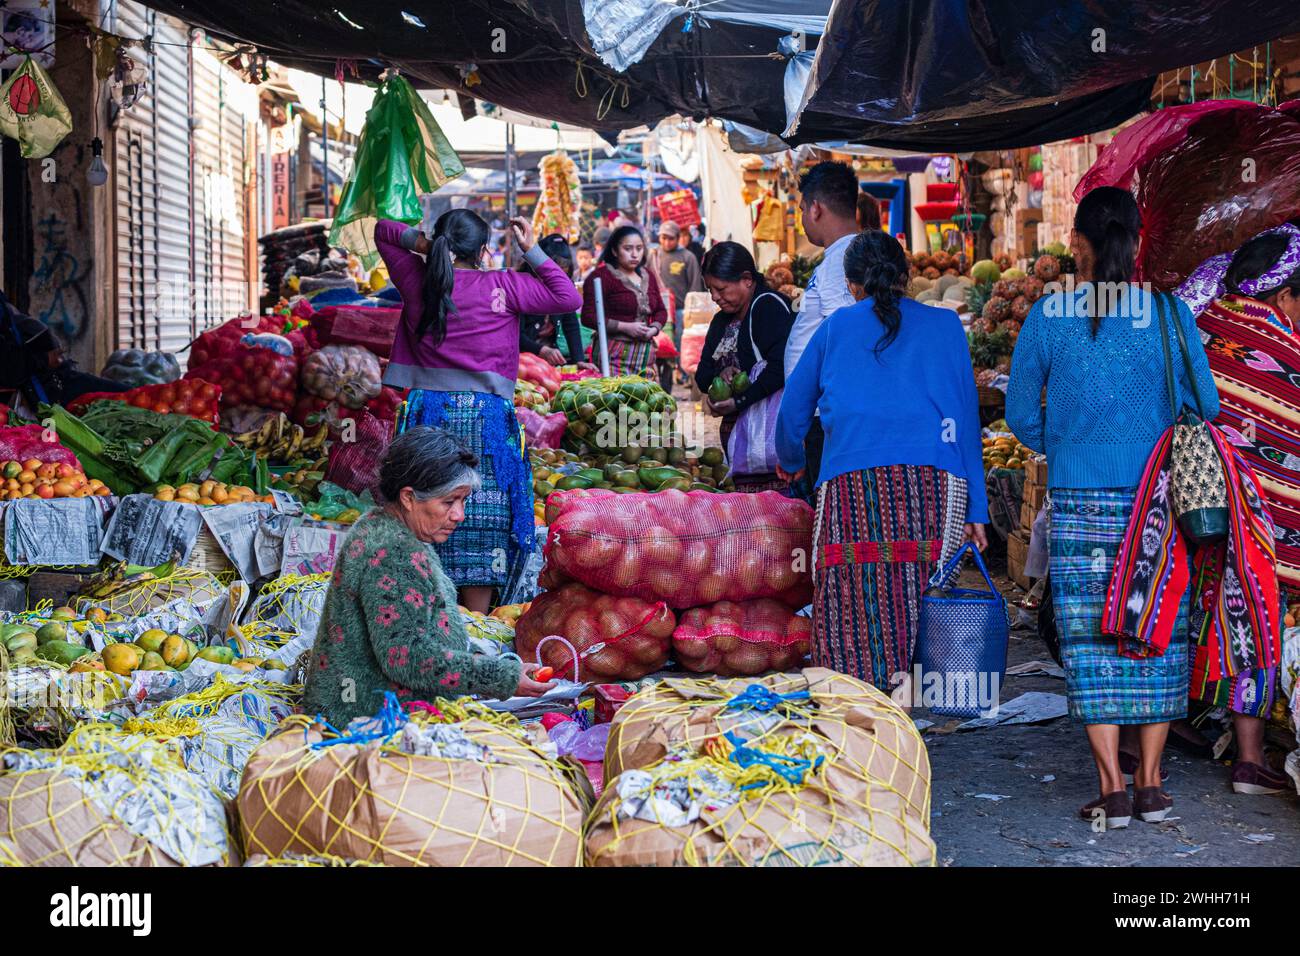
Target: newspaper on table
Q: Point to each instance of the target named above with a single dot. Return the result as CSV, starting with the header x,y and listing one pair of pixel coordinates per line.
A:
x,y
312,547
56,531
149,532
240,531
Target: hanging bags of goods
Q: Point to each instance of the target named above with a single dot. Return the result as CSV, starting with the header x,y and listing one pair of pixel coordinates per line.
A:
x,y
559,207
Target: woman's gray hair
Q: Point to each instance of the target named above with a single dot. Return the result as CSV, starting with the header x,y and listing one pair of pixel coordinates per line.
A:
x,y
430,461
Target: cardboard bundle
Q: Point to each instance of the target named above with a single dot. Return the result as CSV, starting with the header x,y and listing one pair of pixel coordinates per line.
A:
x,y
376,803
867,805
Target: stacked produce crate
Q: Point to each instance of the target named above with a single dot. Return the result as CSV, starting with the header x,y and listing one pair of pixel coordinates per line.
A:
x,y
1035,492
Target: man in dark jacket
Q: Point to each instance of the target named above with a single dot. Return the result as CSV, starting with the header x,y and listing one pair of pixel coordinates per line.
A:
x,y
32,362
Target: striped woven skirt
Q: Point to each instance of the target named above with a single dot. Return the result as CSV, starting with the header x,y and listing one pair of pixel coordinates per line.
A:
x,y
497,533
1088,526
879,534
629,357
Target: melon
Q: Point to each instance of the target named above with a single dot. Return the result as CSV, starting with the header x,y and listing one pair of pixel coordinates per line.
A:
x,y
986,270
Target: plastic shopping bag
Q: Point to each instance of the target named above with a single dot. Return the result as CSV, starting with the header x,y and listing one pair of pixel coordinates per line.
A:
x,y
33,112
402,153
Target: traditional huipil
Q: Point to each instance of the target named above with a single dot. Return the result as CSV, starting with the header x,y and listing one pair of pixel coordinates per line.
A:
x,y
466,385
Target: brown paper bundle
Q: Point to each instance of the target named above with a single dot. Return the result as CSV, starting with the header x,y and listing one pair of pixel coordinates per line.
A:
x,y
382,805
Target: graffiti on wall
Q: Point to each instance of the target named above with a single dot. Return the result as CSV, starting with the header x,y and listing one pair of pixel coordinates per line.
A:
x,y
58,281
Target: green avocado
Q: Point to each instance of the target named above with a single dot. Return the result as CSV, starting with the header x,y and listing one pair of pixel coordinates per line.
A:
x,y
719,391
654,478
678,483
739,382
61,652
711,457
627,479
569,482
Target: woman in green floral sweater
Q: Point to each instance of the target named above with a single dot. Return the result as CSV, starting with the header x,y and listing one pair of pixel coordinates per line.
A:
x,y
391,621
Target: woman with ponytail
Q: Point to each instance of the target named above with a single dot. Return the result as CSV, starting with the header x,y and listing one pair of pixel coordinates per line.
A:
x,y
457,350
1097,349
901,485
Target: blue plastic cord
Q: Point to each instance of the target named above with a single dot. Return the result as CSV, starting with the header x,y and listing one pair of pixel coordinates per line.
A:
x,y
762,698
390,719
790,769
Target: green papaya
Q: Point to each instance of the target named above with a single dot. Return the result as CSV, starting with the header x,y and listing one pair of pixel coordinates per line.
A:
x,y
591,474
54,631
20,640
719,391
653,478
627,479
739,382
677,483
61,652
569,482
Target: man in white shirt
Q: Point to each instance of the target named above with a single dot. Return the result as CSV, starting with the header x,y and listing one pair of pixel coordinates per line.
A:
x,y
828,203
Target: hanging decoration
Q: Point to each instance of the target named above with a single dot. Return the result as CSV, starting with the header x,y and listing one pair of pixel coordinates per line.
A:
x,y
128,82
560,203
32,111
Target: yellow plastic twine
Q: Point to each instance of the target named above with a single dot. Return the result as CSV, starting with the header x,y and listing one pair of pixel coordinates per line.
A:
x,y
7,730
205,702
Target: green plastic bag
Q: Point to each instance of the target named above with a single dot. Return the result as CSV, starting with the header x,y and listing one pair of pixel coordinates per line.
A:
x,y
402,153
33,112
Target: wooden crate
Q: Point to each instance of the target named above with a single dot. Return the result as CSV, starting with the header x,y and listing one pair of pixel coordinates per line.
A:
x,y
1035,494
1027,515
1036,471
1017,554
56,586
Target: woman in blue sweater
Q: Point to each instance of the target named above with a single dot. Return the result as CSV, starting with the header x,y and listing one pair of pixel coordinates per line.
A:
x,y
902,480
1097,350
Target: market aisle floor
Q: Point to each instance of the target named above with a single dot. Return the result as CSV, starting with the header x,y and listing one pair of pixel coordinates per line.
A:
x,y
1044,773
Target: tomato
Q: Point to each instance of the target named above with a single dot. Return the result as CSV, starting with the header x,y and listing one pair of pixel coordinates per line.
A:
x,y
166,394
207,392
141,401
181,407
184,390
162,408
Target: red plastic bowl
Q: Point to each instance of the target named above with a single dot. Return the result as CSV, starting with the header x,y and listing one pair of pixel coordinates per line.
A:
x,y
936,211
940,192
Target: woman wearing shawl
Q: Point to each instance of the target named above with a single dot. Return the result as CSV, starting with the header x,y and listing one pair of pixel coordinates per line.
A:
x,y
1107,406
1249,310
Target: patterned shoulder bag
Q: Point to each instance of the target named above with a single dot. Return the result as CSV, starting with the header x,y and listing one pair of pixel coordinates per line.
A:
x,y
1197,485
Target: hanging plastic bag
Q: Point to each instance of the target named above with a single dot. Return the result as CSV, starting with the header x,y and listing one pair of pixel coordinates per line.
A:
x,y
751,446
402,153
33,112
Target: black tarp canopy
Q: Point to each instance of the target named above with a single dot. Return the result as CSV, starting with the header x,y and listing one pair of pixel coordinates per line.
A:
x,y
723,66
963,75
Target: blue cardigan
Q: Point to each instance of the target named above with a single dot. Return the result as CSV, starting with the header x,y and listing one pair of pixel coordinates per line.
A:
x,y
914,404
1107,398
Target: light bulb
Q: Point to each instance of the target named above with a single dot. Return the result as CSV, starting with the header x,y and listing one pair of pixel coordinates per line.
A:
x,y
97,171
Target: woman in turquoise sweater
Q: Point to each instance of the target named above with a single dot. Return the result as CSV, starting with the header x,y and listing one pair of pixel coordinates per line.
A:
x,y
1097,350
902,481
391,621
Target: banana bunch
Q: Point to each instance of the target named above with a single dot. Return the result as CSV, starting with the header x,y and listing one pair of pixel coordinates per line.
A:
x,y
280,440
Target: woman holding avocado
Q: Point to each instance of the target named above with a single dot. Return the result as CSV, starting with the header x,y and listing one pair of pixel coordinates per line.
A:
x,y
751,326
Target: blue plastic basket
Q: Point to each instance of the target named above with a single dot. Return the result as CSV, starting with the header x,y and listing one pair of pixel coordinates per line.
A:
x,y
961,644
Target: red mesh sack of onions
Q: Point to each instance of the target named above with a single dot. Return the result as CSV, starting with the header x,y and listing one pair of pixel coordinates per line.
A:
x,y
686,548
636,633
740,639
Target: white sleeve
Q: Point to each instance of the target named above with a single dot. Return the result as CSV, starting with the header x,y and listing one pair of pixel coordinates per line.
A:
x,y
806,321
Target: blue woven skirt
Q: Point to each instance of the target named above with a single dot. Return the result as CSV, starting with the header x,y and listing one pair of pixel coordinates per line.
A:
x,y
497,534
1103,687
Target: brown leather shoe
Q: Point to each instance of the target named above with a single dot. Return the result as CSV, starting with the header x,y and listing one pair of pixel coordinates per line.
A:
x,y
1256,779
1115,808
1151,804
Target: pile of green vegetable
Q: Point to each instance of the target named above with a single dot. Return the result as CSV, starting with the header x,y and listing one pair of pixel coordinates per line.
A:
x,y
614,414
133,449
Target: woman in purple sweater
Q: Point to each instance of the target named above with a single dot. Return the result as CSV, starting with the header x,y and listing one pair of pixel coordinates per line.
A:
x,y
457,350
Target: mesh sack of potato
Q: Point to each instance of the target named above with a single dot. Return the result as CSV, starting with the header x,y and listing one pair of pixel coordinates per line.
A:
x,y
686,548
741,638
635,634
868,803
291,604
461,787
302,860
105,798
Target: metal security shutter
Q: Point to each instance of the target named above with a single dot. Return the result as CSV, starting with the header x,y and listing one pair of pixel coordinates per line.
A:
x,y
153,188
182,222
221,219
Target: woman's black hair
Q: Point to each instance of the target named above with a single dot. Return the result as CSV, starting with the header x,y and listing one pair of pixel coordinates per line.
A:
x,y
876,261
731,262
609,255
429,461
1108,217
1255,258
557,249
459,233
